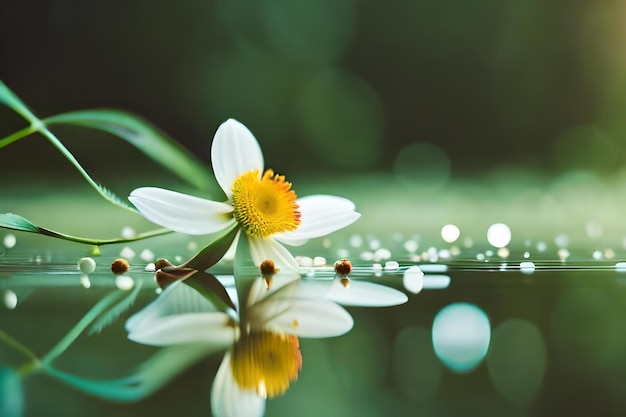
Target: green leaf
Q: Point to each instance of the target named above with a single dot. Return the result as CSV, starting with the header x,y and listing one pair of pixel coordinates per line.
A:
x,y
16,222
214,251
8,98
145,137
151,375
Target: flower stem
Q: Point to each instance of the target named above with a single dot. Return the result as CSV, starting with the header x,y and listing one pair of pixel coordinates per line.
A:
x,y
17,135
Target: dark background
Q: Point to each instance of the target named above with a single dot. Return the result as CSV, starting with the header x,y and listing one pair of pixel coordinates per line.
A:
x,y
339,85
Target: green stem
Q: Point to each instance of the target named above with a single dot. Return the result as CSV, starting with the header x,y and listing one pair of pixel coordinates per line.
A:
x,y
102,242
17,135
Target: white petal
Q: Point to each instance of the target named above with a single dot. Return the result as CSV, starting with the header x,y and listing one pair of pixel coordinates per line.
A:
x,y
312,318
228,400
365,294
176,299
321,215
181,212
264,249
211,329
235,150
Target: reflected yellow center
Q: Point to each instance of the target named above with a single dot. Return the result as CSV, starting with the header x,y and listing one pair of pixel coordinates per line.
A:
x,y
266,362
265,206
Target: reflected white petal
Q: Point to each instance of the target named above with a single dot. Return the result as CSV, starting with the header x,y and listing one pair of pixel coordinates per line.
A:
x,y
228,399
321,215
307,317
181,212
235,150
268,248
177,298
212,329
365,294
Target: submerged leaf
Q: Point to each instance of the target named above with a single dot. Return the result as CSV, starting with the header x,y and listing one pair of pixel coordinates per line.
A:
x,y
145,137
211,289
151,375
115,311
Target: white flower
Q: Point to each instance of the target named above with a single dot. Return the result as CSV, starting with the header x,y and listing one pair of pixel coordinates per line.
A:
x,y
260,202
261,339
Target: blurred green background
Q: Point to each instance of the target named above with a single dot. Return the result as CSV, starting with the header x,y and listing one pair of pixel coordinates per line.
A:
x,y
424,113
340,85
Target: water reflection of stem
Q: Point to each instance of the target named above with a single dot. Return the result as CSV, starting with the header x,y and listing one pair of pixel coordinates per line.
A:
x,y
9,340
29,367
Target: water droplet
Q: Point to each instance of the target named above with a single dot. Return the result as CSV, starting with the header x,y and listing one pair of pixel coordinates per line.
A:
x,y
305,261
450,233
527,267
499,235
319,261
86,265
413,279
151,267
391,265
9,241
620,267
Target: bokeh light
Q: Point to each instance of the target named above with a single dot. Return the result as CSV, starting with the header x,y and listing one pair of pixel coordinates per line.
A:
x,y
517,360
450,233
461,333
499,235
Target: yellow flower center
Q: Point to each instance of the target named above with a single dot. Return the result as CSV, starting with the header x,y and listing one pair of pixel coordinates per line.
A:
x,y
266,362
265,206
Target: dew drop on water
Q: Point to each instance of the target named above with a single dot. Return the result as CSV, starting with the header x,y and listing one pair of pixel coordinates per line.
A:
x,y
620,267
450,233
9,241
86,265
151,267
499,235
526,255
124,282
527,267
391,265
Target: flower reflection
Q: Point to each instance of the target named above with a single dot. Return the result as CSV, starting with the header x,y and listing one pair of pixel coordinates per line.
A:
x,y
261,203
260,336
